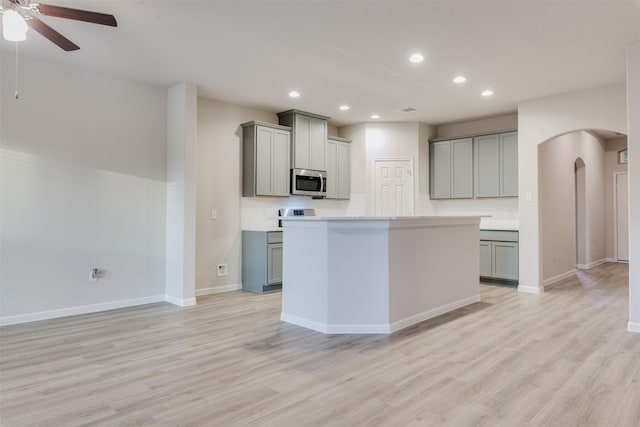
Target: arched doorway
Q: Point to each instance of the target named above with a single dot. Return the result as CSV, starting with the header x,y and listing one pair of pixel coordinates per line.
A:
x,y
577,220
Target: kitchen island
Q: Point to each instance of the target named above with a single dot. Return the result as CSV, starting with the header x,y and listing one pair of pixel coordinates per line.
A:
x,y
377,275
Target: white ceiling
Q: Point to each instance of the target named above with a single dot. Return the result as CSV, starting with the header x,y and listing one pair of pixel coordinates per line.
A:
x,y
355,52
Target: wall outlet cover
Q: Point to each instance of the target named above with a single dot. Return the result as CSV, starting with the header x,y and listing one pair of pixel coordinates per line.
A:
x,y
222,270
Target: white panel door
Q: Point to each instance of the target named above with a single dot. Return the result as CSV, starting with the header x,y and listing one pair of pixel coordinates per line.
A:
x,y
393,187
622,216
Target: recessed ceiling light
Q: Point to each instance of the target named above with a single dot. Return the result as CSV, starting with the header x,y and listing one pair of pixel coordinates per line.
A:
x,y
460,79
416,58
344,107
487,92
294,94
375,116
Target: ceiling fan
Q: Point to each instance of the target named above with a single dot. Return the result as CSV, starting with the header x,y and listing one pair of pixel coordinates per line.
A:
x,y
19,15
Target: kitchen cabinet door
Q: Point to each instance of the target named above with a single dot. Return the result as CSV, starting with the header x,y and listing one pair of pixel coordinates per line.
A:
x,y
344,170
317,144
302,142
509,164
462,168
338,163
440,170
485,258
505,260
280,152
308,139
487,166
274,264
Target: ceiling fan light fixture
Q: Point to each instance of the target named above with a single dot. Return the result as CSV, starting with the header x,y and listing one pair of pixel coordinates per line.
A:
x,y
14,27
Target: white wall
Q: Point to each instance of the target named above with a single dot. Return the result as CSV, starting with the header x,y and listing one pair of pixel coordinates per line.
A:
x,y
182,146
219,187
388,140
538,121
633,111
557,159
473,127
82,161
611,166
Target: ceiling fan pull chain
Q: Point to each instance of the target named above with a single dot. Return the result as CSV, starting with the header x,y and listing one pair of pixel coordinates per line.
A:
x,y
17,94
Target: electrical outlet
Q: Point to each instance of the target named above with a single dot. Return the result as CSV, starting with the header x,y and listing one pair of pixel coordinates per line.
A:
x,y
222,270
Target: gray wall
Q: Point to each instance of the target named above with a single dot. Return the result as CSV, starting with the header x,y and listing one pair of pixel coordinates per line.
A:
x,y
83,185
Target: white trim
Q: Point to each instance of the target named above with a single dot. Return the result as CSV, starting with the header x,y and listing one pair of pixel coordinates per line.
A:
x,y
591,264
615,212
426,315
616,260
530,289
218,289
80,309
305,323
180,302
387,328
555,279
633,327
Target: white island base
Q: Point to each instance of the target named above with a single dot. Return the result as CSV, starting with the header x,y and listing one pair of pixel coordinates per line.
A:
x,y
377,275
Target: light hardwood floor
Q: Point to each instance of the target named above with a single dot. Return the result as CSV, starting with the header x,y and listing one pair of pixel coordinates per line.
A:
x,y
563,358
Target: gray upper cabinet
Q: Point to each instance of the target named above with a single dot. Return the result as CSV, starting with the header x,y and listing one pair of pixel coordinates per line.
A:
x,y
265,153
308,138
496,165
451,169
462,168
440,170
338,162
509,164
487,166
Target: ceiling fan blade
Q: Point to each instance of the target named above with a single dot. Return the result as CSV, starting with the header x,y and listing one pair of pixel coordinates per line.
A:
x,y
77,14
52,34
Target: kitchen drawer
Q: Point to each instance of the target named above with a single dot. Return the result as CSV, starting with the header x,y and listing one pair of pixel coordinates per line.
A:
x,y
274,237
499,235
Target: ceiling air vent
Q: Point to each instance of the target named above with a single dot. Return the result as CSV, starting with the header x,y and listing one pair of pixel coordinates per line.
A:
x,y
407,110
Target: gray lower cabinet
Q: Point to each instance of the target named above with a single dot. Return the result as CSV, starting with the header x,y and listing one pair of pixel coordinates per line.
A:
x,y
338,168
308,138
451,169
265,152
496,165
499,254
261,261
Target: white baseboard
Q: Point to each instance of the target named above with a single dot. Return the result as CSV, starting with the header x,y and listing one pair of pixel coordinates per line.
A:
x,y
591,264
426,315
530,289
633,327
217,289
555,279
81,309
180,302
383,328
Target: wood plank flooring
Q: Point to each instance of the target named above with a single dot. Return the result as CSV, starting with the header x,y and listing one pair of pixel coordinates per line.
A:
x,y
562,358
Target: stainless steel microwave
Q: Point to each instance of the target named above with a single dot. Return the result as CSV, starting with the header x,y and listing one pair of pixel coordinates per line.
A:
x,y
307,182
